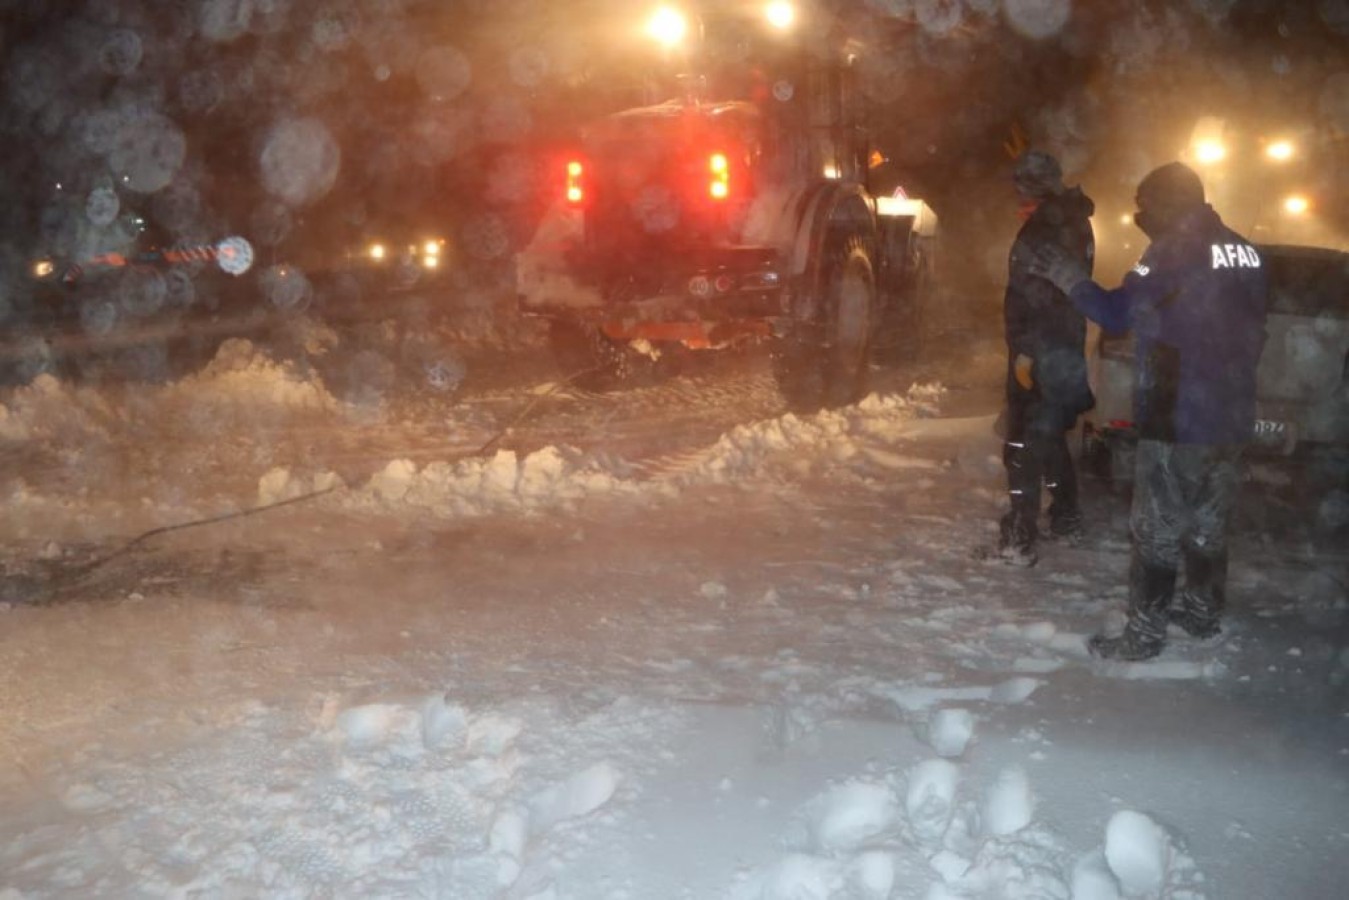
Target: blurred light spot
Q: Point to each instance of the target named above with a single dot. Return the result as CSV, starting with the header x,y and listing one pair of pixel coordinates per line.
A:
x,y
120,53
102,206
939,17
148,149
299,161
223,20
443,72
1208,152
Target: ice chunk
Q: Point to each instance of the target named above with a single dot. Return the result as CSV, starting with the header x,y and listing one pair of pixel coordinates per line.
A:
x,y
1137,850
851,814
1008,804
931,797
950,730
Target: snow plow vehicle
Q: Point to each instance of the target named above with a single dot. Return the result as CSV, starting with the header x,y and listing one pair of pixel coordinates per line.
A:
x,y
739,211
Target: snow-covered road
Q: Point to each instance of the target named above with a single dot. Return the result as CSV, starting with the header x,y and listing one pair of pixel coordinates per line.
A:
x,y
761,665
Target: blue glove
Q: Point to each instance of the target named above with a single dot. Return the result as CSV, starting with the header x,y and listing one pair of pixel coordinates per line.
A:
x,y
1059,267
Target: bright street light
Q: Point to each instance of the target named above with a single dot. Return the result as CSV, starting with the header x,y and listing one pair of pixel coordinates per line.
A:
x,y
780,14
1295,205
1208,152
667,25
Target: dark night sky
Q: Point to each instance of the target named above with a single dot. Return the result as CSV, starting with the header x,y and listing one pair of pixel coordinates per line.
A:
x,y
424,108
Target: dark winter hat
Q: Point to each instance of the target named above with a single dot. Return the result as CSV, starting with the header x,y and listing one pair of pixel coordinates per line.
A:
x,y
1174,186
1037,174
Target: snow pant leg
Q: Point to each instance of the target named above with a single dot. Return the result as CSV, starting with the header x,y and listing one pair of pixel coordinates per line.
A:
x,y
1024,469
1210,477
1156,521
1061,476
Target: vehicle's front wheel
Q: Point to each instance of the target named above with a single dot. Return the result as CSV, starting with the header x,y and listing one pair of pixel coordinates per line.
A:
x,y
824,362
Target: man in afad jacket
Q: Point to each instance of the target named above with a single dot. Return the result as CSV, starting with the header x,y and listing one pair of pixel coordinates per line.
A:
x,y
1046,369
1196,304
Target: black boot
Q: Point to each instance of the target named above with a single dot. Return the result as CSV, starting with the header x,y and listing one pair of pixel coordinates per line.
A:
x,y
1016,539
1200,607
1151,588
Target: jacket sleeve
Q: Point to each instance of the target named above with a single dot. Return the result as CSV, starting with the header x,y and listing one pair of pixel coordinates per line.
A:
x,y
1134,305
1025,302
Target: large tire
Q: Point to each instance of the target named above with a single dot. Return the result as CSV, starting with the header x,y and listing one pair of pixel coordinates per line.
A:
x,y
824,363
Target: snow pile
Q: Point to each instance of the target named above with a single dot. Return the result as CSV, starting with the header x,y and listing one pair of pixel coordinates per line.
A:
x,y
504,482
419,796
557,476
50,410
243,378
834,436
934,824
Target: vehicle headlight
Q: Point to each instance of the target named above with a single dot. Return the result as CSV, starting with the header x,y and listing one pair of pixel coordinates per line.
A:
x,y
377,251
43,268
1280,151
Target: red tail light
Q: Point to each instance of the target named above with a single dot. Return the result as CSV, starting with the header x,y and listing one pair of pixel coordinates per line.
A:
x,y
575,189
719,170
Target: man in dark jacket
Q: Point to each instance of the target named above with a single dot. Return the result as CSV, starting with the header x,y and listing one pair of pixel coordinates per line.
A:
x,y
1196,304
1046,371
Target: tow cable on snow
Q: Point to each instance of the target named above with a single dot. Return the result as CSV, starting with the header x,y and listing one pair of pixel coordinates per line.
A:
x,y
36,591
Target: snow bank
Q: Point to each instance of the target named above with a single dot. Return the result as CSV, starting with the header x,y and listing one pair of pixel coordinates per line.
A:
x,y
557,476
243,377
49,409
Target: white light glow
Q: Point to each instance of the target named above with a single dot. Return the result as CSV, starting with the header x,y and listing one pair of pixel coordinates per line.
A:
x,y
377,251
1209,152
1295,205
668,26
780,15
1280,151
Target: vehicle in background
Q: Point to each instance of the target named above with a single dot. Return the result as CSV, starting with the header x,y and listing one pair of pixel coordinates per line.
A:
x,y
1302,399
148,309
738,212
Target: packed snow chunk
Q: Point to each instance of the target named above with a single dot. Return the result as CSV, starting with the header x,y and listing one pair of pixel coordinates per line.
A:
x,y
374,723
949,731
873,875
950,866
930,800
850,815
541,471
501,473
579,795
395,480
1008,803
1138,851
279,485
798,877
444,724
276,485
1093,880
492,734
510,832
1039,632
1014,690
